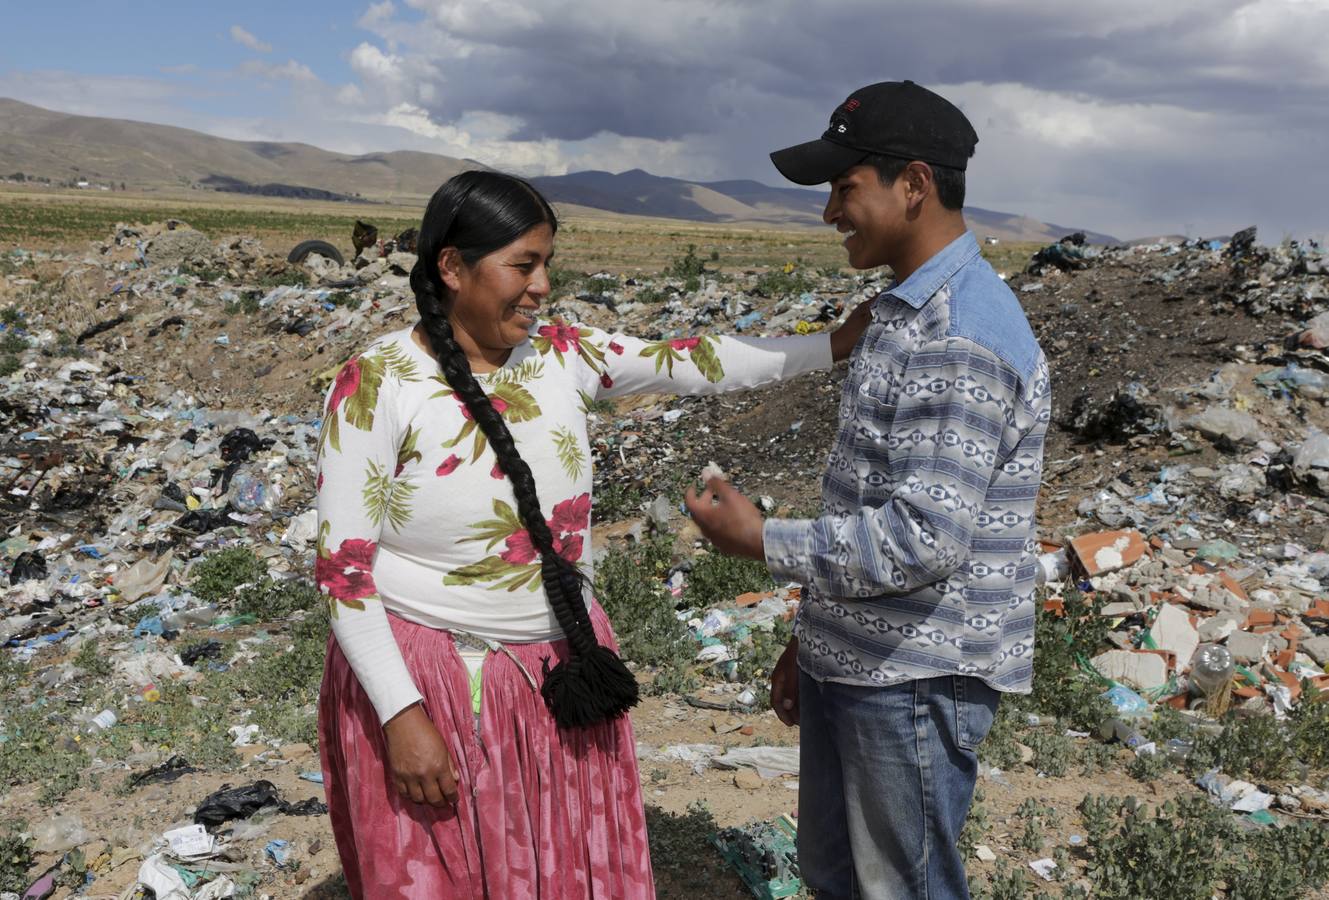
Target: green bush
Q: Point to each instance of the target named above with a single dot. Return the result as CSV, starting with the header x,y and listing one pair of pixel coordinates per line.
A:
x,y
1060,687
1176,853
1258,746
16,859
215,578
716,579
1309,723
629,585
1052,752
270,598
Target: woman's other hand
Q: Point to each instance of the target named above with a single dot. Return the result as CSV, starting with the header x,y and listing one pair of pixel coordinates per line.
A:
x,y
846,336
421,765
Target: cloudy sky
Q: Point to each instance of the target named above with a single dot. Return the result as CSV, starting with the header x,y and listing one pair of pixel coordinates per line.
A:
x,y
1133,117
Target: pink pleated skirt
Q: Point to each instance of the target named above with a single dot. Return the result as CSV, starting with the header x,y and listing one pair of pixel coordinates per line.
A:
x,y
544,812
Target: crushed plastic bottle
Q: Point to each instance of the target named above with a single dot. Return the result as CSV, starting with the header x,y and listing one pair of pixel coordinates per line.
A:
x,y
1211,668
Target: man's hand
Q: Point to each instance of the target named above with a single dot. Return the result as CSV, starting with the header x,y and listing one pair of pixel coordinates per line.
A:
x,y
419,760
728,519
784,685
844,338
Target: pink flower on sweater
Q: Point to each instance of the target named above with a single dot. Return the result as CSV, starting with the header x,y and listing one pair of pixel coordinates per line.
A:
x,y
347,383
684,343
561,337
345,575
571,515
448,466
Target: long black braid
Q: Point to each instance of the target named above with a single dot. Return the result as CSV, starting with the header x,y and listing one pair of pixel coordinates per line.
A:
x,y
592,684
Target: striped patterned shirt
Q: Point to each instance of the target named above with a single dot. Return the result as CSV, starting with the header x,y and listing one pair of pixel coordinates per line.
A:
x,y
922,562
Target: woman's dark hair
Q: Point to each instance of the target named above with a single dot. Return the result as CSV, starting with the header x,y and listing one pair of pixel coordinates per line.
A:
x,y
477,213
949,182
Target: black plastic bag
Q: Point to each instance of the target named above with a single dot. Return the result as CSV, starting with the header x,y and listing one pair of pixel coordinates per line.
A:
x,y
236,803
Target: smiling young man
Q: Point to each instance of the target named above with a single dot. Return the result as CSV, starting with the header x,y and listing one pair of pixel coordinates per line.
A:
x,y
919,573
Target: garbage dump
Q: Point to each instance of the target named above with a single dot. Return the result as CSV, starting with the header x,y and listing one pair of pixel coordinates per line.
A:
x,y
159,401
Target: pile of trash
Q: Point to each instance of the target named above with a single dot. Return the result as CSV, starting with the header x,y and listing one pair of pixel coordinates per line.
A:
x,y
160,396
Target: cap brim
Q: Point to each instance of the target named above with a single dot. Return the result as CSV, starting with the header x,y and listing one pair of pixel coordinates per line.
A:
x,y
816,161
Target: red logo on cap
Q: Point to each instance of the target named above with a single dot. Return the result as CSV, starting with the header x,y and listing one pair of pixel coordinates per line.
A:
x,y
850,105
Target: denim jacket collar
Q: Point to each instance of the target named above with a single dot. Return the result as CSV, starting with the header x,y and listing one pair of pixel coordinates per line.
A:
x,y
919,287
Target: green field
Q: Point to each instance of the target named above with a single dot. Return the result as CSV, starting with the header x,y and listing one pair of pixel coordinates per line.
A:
x,y
586,243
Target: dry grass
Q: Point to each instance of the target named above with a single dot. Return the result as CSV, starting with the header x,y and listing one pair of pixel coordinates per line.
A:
x,y
589,240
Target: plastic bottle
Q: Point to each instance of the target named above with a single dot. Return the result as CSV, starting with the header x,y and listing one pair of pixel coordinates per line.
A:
x,y
1122,731
1211,668
103,721
188,618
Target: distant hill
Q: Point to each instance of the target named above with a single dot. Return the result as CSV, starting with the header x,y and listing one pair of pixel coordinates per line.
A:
x,y
636,192
59,146
63,147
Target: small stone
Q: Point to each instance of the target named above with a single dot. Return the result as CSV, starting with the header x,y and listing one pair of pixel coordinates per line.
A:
x,y
748,780
1317,648
1247,648
984,853
1216,629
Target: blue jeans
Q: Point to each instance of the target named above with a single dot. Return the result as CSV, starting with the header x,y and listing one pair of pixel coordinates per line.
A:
x,y
886,775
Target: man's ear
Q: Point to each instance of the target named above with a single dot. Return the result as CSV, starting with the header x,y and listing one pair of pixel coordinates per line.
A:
x,y
918,183
449,268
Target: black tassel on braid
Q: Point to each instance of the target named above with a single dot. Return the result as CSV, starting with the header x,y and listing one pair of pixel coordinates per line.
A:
x,y
592,684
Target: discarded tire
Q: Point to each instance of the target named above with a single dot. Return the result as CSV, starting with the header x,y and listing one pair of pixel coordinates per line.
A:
x,y
321,248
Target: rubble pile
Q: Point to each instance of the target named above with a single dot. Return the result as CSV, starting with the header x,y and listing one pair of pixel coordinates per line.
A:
x,y
160,403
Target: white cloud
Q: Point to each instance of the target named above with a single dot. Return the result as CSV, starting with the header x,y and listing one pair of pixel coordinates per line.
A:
x,y
1133,117
287,71
376,13
246,39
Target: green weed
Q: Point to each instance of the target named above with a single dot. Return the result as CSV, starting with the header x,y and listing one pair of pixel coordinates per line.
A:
x,y
629,587
16,859
216,577
91,660
1249,745
270,598
615,502
717,579
1052,752
686,864
246,305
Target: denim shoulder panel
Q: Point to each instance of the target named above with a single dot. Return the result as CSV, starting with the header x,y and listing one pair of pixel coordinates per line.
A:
x,y
983,309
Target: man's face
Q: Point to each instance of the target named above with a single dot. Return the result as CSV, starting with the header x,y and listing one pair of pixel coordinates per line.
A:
x,y
870,214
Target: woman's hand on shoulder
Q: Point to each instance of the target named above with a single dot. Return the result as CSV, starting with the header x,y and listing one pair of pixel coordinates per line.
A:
x,y
846,336
421,766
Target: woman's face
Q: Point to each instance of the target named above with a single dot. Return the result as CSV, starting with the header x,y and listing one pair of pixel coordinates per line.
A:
x,y
496,300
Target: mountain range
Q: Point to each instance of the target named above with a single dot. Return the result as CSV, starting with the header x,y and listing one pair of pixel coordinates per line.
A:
x,y
66,148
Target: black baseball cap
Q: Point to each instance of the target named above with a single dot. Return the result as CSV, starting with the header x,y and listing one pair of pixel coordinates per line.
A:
x,y
891,118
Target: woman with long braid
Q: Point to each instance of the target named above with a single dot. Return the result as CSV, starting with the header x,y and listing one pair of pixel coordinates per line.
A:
x,y
471,720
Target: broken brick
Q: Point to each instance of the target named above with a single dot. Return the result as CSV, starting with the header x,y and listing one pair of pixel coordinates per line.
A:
x,y
1108,551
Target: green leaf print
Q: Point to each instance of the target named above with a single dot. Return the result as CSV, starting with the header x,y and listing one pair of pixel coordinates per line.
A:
x,y
665,355
407,452
707,360
386,498
360,405
330,433
569,451
507,576
399,364
506,523
521,406
529,370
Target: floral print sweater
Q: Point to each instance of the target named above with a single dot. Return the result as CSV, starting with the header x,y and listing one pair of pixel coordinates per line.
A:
x,y
416,518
